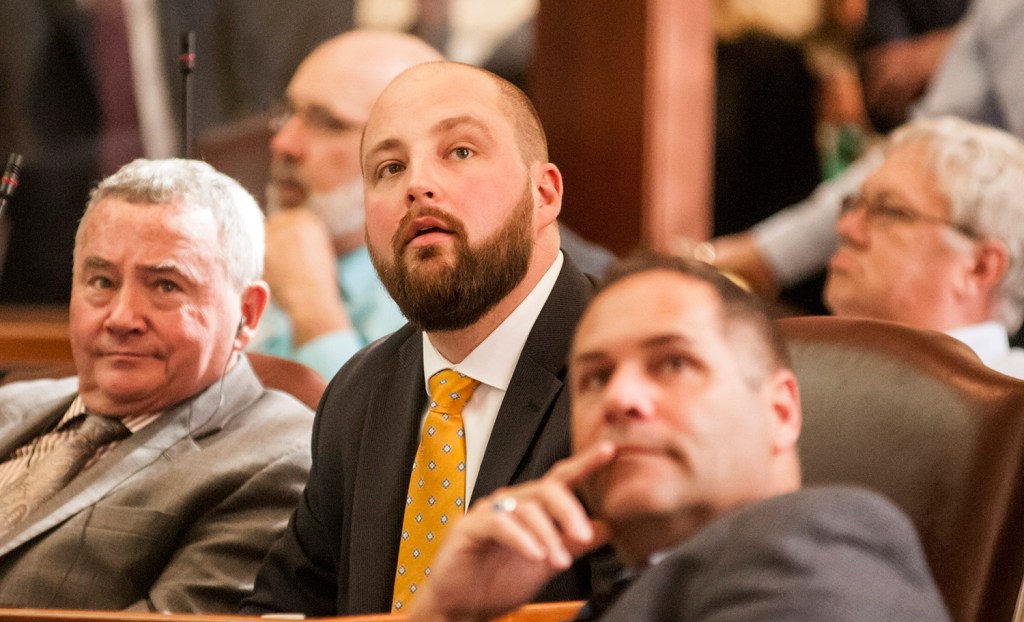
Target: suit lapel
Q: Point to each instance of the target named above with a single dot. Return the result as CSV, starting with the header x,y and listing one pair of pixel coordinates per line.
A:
x,y
20,419
125,460
195,418
388,444
391,432
523,411
536,383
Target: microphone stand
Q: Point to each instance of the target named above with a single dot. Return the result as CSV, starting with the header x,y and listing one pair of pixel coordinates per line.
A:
x,y
187,63
9,181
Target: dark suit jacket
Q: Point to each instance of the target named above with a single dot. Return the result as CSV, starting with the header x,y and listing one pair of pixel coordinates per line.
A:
x,y
339,552
176,517
819,554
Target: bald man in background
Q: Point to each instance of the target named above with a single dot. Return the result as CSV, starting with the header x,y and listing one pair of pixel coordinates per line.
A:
x,y
327,301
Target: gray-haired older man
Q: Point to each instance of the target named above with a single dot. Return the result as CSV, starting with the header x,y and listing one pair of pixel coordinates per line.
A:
x,y
935,238
157,478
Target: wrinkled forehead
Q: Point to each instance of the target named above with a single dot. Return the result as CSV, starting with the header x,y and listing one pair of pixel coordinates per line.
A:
x,y
441,80
908,173
149,227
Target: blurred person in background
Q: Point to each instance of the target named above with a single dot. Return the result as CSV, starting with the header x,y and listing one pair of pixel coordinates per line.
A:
x,y
935,238
88,85
977,80
327,301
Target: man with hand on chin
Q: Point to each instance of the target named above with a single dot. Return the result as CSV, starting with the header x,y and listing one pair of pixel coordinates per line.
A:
x,y
327,301
685,419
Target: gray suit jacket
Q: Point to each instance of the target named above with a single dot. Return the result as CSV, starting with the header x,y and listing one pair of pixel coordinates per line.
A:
x,y
339,552
176,517
836,554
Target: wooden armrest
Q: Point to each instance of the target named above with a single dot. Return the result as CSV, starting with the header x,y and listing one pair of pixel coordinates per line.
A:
x,y
540,612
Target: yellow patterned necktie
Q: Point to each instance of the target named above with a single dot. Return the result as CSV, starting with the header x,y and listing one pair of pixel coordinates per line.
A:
x,y
437,486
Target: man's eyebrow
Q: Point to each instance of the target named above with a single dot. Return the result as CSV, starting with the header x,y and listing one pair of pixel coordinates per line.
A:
x,y
442,126
384,145
886,193
96,263
327,113
588,356
667,340
170,268
451,123
656,341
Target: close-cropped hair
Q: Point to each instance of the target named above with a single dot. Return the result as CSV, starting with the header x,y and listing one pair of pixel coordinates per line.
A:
x,y
742,314
191,184
980,170
533,143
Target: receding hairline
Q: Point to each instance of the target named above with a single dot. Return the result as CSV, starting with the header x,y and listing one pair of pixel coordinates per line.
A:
x,y
734,307
517,107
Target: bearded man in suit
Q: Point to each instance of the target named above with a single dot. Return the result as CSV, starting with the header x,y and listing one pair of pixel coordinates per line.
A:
x,y
159,476
461,208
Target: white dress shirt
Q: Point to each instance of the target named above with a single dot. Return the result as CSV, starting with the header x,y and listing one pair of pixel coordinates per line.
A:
x,y
989,341
492,363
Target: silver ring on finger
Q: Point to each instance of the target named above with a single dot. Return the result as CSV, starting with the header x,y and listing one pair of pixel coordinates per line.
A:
x,y
504,504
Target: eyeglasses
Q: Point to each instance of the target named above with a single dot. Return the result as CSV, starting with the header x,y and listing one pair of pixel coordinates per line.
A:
x,y
885,214
317,118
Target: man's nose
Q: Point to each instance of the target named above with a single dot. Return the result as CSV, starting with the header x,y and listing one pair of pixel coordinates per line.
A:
x,y
289,140
423,186
127,311
628,395
852,226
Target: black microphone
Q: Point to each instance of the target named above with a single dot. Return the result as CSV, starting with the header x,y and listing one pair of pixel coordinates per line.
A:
x,y
9,182
187,64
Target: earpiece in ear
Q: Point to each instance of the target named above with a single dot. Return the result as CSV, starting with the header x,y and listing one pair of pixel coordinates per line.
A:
x,y
241,325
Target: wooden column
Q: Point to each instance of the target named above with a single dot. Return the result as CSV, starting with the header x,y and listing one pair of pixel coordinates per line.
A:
x,y
625,93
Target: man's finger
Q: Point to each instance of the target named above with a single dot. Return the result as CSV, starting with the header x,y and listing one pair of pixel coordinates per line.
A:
x,y
576,468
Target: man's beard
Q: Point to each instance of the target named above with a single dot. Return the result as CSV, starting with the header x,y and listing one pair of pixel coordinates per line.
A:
x,y
456,296
341,210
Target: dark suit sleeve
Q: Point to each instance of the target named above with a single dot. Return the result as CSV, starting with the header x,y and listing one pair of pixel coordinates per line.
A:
x,y
215,565
828,554
298,574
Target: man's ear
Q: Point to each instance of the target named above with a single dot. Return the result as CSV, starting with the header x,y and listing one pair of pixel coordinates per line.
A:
x,y
787,418
991,261
546,183
254,302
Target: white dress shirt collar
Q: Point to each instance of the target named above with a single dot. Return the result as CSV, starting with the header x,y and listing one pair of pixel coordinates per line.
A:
x,y
988,340
494,360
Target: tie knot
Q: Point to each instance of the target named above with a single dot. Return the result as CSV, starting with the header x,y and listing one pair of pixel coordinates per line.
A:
x,y
451,390
99,430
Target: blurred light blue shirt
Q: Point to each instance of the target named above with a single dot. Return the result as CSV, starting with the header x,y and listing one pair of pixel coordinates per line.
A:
x,y
370,308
